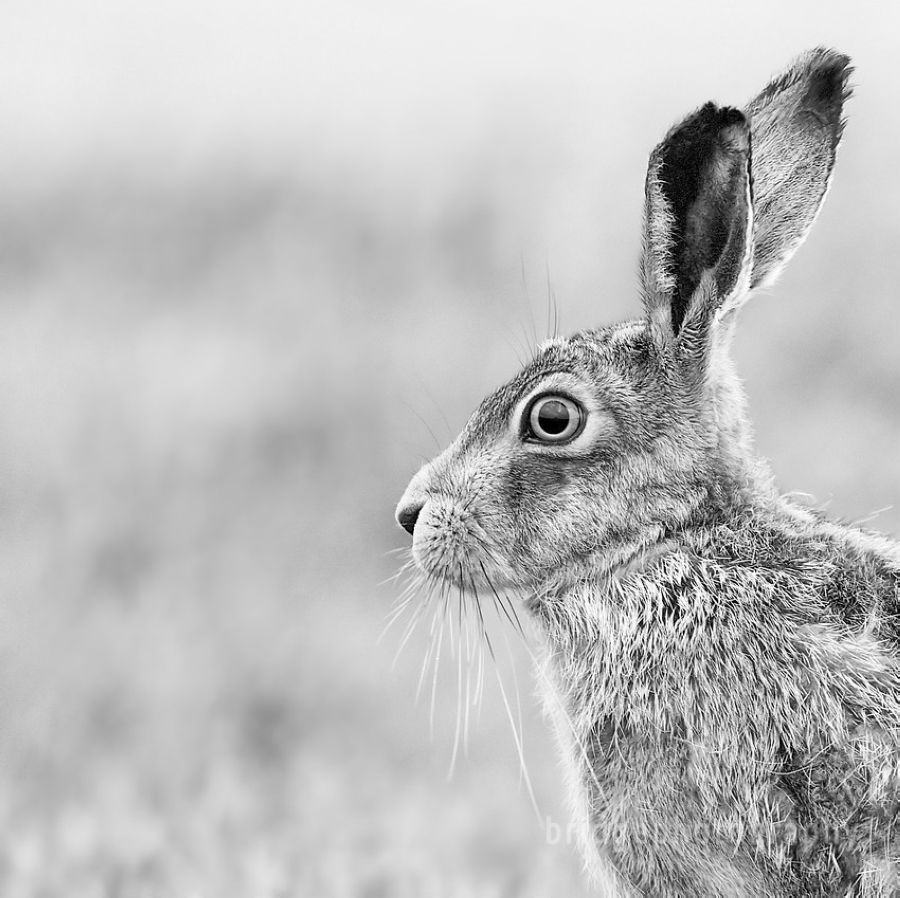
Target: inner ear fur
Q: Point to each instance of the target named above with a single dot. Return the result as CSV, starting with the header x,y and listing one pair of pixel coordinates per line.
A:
x,y
698,218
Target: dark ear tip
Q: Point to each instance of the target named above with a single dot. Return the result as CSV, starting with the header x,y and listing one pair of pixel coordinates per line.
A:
x,y
825,59
829,73
822,75
708,125
728,115
710,115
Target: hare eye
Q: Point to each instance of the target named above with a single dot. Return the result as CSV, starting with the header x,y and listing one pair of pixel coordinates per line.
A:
x,y
554,419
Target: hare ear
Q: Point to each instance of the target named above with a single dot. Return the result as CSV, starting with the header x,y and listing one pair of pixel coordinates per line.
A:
x,y
796,125
697,221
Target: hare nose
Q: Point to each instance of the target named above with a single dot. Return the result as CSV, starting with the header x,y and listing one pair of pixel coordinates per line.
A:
x,y
408,515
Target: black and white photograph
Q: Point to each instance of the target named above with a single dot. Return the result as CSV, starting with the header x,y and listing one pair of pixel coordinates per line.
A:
x,y
449,450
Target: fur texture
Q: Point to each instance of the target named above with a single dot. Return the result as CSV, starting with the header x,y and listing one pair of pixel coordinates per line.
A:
x,y
723,665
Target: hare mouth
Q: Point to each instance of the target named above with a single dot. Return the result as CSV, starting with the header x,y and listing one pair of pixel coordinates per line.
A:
x,y
450,548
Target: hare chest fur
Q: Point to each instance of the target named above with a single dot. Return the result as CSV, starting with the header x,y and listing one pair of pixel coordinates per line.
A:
x,y
722,665
730,709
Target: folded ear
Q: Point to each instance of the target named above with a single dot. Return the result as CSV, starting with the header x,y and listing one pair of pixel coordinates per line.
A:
x,y
796,125
697,222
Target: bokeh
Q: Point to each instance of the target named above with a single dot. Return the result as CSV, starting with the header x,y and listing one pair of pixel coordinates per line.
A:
x,y
257,263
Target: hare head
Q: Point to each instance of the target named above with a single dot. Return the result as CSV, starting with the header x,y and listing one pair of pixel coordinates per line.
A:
x,y
612,439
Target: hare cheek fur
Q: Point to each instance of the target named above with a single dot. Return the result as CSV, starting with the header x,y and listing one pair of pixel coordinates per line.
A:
x,y
722,664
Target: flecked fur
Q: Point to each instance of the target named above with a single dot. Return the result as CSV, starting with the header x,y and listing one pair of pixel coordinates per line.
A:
x,y
723,665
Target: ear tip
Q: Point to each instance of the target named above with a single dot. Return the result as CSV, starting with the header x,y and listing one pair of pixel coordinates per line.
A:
x,y
828,78
822,75
713,116
828,60
709,123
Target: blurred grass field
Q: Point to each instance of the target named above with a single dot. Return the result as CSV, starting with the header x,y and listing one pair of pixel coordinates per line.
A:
x,y
228,339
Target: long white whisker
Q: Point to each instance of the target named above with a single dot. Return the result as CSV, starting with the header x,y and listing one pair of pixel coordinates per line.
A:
x,y
400,609
550,689
437,663
459,695
512,664
432,642
517,729
507,607
417,615
440,411
407,566
468,623
421,418
519,747
479,682
534,334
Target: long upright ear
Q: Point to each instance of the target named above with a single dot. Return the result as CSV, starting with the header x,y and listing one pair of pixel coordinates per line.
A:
x,y
796,125
697,222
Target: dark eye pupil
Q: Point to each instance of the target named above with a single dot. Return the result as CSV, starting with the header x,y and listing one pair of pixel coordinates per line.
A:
x,y
553,417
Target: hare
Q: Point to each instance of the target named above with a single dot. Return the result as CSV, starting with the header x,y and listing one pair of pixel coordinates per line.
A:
x,y
724,665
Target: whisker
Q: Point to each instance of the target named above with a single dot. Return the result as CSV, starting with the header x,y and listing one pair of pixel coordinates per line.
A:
x,y
552,307
410,629
508,609
511,614
466,623
517,730
437,656
437,442
485,639
469,694
499,603
534,334
469,638
402,605
407,594
520,358
450,432
867,519
512,608
448,615
519,747
396,613
458,727
432,643
408,591
436,666
551,690
549,310
405,568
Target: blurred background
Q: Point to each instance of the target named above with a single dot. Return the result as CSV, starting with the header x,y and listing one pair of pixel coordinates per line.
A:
x,y
257,262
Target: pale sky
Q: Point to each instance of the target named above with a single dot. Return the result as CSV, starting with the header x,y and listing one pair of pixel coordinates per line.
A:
x,y
184,80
